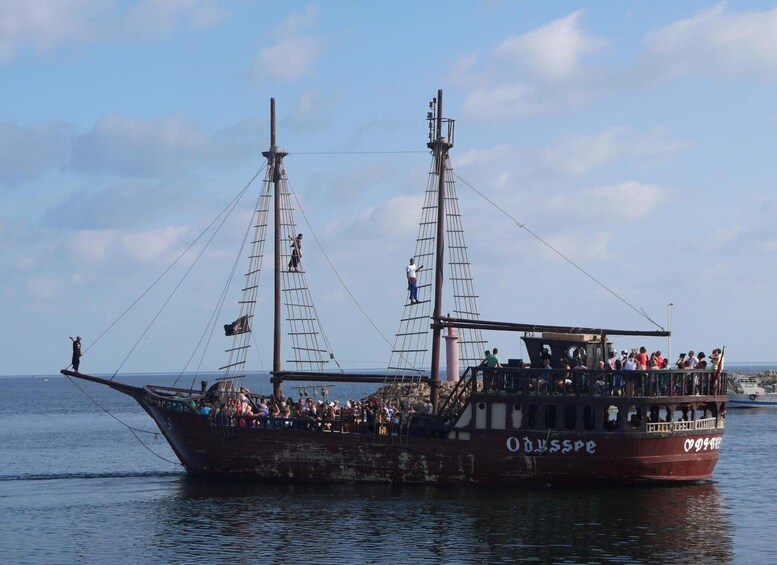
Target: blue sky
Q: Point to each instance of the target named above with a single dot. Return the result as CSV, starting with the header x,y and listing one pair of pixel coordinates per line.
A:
x,y
636,138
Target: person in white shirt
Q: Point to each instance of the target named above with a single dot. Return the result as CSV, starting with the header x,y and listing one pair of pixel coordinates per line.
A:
x,y
411,271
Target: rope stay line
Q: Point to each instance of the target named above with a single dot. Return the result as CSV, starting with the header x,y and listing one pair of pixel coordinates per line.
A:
x,y
230,206
523,226
134,431
224,216
337,274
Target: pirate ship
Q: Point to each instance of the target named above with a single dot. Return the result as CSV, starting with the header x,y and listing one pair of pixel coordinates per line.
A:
x,y
530,421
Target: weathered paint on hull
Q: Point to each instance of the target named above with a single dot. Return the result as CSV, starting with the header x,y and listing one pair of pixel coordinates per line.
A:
x,y
489,458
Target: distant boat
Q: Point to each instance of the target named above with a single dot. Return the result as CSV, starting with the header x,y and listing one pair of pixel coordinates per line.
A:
x,y
746,391
519,424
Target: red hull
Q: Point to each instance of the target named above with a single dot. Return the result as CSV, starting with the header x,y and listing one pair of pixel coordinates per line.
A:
x,y
466,455
491,457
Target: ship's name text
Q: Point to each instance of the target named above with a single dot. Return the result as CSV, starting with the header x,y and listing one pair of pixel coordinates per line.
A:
x,y
530,446
706,444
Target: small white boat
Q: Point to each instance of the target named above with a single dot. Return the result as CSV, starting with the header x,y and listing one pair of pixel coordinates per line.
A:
x,y
746,391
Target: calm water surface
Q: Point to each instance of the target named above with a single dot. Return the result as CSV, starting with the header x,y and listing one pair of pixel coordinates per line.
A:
x,y
77,486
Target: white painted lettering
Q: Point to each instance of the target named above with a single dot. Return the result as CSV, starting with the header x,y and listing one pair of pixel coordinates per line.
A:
x,y
513,444
530,446
579,445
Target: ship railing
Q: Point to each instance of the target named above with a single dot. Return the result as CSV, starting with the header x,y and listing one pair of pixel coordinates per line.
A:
x,y
460,393
686,425
600,382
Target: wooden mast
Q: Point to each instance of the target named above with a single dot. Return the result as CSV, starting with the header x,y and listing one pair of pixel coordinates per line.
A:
x,y
275,163
440,146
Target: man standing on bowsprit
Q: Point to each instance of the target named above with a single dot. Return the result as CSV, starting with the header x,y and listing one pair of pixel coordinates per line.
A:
x,y
76,353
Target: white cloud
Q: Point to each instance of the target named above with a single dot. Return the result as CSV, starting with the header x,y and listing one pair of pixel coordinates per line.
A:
x,y
575,246
295,53
395,218
309,113
160,245
47,24
770,246
28,151
290,58
504,101
580,154
716,41
298,21
626,202
553,52
92,245
156,17
122,145
42,288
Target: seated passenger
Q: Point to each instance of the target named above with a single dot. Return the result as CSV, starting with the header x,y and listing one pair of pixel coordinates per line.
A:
x,y
546,376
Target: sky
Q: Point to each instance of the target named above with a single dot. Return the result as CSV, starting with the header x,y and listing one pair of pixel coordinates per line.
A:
x,y
637,139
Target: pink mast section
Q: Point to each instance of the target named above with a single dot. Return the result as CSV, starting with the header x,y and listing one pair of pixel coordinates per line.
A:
x,y
452,355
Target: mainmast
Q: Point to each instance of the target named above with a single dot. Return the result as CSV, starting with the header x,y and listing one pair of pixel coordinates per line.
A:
x,y
275,166
439,145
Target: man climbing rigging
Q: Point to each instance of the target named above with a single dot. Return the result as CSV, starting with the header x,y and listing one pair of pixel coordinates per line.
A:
x,y
411,271
296,253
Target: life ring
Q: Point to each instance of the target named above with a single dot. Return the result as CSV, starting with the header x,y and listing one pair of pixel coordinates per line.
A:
x,y
753,396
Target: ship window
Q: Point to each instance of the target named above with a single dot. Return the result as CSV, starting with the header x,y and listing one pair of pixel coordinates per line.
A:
x,y
532,417
588,417
634,417
516,407
683,413
569,417
482,406
612,417
550,416
575,352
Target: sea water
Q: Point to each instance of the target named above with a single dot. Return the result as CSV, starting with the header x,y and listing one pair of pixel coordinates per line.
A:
x,y
86,478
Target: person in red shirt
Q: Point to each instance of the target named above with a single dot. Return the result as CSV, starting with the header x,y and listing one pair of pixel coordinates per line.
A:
x,y
642,357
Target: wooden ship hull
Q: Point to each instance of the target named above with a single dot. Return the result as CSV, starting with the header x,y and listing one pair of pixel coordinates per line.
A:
x,y
488,445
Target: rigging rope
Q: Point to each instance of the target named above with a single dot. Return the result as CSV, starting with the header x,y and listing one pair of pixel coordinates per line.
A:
x,y
339,278
130,428
226,215
523,226
161,276
211,325
353,152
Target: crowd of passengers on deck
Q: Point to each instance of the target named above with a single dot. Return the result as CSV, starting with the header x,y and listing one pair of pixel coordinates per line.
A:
x,y
242,409
633,373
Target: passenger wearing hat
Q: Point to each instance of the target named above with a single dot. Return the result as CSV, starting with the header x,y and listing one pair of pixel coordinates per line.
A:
x,y
76,361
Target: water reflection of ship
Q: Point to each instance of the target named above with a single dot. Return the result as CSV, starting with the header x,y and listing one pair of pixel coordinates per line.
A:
x,y
610,525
